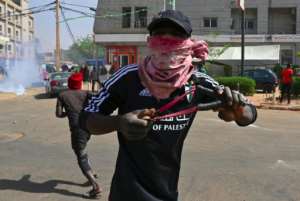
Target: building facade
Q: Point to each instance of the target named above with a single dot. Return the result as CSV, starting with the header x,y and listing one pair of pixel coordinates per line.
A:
x,y
16,28
120,25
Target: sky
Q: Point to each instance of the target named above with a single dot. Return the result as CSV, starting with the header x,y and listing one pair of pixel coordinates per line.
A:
x,y
45,24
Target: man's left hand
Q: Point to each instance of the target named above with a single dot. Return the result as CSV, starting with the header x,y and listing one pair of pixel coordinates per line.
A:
x,y
236,107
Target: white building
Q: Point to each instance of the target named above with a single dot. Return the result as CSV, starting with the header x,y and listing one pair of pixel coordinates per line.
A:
x,y
121,25
15,29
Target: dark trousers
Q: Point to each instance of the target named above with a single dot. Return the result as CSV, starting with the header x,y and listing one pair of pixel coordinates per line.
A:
x,y
79,140
286,90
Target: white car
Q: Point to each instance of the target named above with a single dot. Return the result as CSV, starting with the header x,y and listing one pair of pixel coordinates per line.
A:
x,y
56,83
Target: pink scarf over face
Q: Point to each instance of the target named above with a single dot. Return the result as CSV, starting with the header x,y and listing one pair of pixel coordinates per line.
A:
x,y
169,65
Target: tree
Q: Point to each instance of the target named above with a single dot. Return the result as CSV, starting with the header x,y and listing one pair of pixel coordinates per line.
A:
x,y
298,54
84,49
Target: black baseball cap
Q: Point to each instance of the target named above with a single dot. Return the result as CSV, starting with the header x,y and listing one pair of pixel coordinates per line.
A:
x,y
171,17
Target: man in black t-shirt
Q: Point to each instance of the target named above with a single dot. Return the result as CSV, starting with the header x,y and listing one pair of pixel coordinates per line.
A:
x,y
70,103
148,163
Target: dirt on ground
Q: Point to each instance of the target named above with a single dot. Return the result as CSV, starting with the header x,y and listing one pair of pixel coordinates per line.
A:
x,y
28,92
272,99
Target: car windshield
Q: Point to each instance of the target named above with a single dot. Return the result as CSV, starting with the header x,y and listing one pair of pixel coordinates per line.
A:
x,y
59,76
272,72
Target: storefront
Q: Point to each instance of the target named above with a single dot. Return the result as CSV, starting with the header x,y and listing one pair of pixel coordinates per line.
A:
x,y
119,56
122,49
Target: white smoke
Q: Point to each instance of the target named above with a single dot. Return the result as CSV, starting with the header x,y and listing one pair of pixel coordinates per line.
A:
x,y
21,73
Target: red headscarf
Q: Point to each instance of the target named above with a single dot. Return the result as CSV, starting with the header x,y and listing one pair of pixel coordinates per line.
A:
x,y
75,81
169,65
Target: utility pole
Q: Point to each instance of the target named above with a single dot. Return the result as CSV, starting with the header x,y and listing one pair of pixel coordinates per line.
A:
x,y
96,52
58,49
242,42
241,5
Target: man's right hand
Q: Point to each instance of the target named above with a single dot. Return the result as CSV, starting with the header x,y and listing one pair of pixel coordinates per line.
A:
x,y
135,125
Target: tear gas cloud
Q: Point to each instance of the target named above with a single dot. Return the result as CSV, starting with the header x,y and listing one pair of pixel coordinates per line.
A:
x,y
21,73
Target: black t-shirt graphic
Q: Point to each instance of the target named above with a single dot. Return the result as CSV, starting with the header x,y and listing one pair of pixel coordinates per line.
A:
x,y
146,170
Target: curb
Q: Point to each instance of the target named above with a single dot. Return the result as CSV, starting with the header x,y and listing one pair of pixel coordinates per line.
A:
x,y
276,107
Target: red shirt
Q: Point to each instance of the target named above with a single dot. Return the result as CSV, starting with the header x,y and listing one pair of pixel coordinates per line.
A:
x,y
286,76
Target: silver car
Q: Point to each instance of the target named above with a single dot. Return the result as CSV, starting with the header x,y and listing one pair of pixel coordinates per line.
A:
x,y
56,83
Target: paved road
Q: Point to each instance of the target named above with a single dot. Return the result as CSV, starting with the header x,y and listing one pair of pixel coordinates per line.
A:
x,y
221,162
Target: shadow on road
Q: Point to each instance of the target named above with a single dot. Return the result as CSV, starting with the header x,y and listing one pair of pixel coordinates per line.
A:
x,y
25,185
43,96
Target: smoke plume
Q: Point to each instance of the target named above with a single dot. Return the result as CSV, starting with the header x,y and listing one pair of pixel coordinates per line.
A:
x,y
21,73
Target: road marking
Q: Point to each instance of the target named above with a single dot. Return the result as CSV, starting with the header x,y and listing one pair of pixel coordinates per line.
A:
x,y
234,124
259,127
286,165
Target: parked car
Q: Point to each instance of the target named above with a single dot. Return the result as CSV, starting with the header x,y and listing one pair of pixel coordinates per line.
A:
x,y
56,83
266,80
46,69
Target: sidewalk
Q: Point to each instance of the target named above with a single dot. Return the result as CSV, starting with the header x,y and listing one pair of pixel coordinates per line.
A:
x,y
270,101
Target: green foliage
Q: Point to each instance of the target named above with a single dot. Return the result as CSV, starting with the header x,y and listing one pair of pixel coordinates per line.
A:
x,y
84,49
228,70
207,67
215,53
277,70
296,86
243,84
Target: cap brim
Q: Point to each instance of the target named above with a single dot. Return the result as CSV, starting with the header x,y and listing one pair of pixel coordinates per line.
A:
x,y
156,23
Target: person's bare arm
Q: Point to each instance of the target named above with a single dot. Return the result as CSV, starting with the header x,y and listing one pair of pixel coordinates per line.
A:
x,y
60,113
133,125
99,124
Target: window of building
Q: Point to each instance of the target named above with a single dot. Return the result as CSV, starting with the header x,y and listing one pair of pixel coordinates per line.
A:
x,y
250,24
0,9
126,17
17,2
9,14
210,22
17,35
9,47
140,17
286,56
9,31
1,29
30,24
17,17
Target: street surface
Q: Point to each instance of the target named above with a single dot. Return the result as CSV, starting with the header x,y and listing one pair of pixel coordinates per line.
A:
x,y
220,162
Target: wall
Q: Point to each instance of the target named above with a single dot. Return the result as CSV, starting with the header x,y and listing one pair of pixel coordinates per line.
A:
x,y
114,24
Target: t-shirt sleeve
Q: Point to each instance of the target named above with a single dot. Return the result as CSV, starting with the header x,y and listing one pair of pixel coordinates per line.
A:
x,y
112,95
